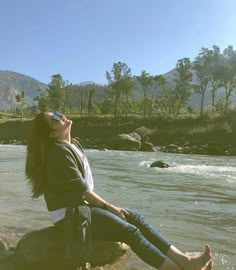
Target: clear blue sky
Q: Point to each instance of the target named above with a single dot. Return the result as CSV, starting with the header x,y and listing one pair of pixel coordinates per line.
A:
x,y
81,39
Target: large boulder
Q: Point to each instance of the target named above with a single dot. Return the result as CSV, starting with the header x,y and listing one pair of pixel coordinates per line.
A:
x,y
44,249
127,142
6,257
3,245
148,147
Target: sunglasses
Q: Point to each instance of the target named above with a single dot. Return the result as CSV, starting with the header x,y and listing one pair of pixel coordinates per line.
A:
x,y
57,116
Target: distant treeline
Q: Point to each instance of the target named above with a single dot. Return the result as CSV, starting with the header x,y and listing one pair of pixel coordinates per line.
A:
x,y
147,95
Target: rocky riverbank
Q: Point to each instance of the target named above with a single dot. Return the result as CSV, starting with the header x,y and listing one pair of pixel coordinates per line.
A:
x,y
184,137
187,148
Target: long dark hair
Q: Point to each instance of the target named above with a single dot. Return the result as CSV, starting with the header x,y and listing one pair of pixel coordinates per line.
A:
x,y
37,145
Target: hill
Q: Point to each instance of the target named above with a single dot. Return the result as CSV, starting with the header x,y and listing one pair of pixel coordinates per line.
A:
x,y
12,83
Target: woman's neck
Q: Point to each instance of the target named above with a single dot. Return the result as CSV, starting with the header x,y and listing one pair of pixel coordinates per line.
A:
x,y
65,139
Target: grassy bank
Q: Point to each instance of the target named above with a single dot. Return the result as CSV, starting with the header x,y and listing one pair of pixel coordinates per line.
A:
x,y
98,130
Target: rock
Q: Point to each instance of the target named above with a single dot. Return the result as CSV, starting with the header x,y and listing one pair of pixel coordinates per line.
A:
x,y
128,142
135,135
5,255
8,265
159,164
144,132
172,147
3,245
45,249
104,252
147,146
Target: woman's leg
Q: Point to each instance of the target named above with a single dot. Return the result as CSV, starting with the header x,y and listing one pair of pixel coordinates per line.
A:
x,y
175,255
107,226
149,232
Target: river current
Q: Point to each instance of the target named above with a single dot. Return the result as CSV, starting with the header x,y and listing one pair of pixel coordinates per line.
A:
x,y
192,202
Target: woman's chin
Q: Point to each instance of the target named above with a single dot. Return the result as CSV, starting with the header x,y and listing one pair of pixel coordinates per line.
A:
x,y
69,122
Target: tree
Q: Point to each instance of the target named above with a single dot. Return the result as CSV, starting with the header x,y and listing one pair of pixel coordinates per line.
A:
x,y
149,82
215,71
165,102
69,97
183,88
229,74
20,99
128,92
157,81
56,92
201,66
42,100
119,80
74,98
146,81
91,92
82,97
106,106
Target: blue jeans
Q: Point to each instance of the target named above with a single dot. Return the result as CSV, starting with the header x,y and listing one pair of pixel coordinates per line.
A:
x,y
143,239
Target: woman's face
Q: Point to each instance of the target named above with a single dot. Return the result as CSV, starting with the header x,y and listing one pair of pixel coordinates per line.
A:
x,y
58,123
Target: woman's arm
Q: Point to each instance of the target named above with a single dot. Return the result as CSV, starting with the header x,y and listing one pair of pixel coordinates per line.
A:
x,y
96,200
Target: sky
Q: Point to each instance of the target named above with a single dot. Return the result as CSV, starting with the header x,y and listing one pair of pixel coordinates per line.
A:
x,y
82,39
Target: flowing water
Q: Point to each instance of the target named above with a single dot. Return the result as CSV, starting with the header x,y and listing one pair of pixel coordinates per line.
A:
x,y
192,203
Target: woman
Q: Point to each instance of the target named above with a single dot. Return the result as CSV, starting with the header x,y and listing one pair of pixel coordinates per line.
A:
x,y
57,168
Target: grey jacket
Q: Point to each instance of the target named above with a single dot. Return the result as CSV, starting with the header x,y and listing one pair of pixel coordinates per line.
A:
x,y
66,187
65,183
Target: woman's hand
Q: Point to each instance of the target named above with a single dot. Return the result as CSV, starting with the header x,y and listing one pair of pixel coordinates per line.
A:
x,y
97,201
118,211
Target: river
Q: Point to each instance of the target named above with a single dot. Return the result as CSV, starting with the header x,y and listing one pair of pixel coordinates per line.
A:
x,y
193,202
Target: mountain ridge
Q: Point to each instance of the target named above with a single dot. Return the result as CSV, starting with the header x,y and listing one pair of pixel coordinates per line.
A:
x,y
12,83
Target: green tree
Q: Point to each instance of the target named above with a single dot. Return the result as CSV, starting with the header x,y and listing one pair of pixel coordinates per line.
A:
x,y
183,88
56,93
128,90
106,106
82,98
201,66
146,81
42,100
73,98
91,92
229,74
215,66
68,97
20,99
165,102
149,86
157,82
119,80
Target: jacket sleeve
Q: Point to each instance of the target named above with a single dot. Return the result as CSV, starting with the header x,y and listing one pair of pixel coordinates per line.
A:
x,y
64,175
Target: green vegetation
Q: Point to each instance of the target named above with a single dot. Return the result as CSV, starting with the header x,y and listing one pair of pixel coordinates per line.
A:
x,y
20,99
156,105
119,79
148,95
97,131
